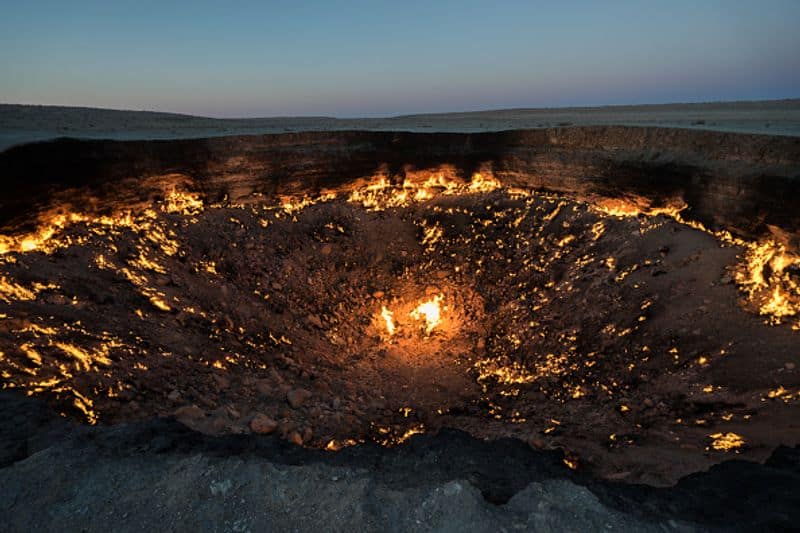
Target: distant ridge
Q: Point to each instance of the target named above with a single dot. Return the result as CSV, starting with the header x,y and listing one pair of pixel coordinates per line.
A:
x,y
21,123
726,104
741,104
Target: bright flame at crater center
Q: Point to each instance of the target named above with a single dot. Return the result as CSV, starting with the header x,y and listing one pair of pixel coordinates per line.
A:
x,y
430,311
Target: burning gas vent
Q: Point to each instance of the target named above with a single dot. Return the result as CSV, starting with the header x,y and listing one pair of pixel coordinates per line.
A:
x,y
392,306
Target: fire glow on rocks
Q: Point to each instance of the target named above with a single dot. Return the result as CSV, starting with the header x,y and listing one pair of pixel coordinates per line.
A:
x,y
396,306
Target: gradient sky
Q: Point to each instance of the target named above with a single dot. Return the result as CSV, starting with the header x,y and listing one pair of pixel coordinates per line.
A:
x,y
373,58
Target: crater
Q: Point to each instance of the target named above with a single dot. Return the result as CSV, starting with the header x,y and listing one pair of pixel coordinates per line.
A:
x,y
643,343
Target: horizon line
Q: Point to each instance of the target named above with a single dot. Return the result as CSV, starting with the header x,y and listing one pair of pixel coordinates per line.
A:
x,y
408,115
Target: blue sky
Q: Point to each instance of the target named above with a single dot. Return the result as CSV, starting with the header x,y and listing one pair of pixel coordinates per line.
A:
x,y
386,58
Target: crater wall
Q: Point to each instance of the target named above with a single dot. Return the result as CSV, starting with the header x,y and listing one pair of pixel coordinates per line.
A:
x,y
749,184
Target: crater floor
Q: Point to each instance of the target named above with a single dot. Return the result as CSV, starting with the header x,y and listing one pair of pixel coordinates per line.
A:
x,y
632,342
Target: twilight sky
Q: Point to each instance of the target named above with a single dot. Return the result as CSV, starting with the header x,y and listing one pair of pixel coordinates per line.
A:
x,y
373,58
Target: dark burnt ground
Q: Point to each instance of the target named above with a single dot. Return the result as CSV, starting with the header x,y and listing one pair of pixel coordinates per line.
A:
x,y
621,340
735,495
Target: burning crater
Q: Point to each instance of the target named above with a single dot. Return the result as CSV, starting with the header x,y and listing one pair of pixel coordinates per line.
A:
x,y
643,344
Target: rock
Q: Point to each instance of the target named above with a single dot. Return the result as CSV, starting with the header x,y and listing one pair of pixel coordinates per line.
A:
x,y
536,443
726,278
308,434
264,388
262,424
648,402
277,286
789,366
127,394
321,386
189,413
378,294
315,321
326,250
296,438
174,396
222,382
297,397
219,424
276,376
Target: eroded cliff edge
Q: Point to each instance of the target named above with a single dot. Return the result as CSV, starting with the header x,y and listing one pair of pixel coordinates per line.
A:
x,y
748,184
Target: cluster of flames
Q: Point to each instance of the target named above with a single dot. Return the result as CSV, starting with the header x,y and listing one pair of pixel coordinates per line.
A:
x,y
725,442
429,312
380,193
49,235
764,275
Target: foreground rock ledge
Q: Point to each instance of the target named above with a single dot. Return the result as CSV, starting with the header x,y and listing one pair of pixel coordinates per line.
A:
x,y
159,475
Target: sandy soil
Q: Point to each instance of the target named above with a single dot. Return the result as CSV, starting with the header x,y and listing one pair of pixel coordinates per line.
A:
x,y
622,340
20,124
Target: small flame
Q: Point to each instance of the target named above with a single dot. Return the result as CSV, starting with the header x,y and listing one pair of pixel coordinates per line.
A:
x,y
430,311
388,317
182,202
725,442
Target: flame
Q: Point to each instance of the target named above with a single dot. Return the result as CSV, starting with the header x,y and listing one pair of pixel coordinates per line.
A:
x,y
511,374
380,193
183,202
630,207
431,235
387,436
336,445
479,183
765,277
571,462
764,274
39,238
48,236
430,311
725,442
11,291
388,317
83,358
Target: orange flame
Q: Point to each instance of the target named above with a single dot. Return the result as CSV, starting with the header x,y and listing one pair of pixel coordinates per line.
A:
x,y
388,317
430,311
